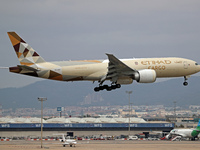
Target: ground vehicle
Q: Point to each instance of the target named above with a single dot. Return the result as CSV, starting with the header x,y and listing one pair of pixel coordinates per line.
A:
x,y
133,138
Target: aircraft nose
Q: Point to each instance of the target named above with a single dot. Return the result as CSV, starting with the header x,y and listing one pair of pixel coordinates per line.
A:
x,y
197,68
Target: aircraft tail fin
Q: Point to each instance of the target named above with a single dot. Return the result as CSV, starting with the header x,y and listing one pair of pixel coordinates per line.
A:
x,y
198,126
63,137
26,54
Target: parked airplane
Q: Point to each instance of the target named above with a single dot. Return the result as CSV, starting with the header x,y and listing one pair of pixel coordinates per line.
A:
x,y
184,133
70,142
118,71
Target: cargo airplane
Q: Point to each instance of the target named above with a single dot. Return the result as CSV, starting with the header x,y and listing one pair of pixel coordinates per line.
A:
x,y
118,71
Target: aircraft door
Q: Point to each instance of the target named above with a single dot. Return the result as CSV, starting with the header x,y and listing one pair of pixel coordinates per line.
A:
x,y
185,64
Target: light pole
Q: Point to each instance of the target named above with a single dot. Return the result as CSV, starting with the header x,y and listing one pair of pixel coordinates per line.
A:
x,y
175,113
129,93
41,99
131,109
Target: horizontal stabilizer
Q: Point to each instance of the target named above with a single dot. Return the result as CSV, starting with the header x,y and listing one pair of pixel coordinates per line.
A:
x,y
27,68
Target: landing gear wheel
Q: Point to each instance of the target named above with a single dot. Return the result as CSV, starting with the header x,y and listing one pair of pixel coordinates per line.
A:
x,y
118,85
108,88
101,87
185,83
105,86
113,87
96,89
193,139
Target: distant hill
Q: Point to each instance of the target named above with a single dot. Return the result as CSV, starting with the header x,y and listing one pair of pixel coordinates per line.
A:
x,y
81,93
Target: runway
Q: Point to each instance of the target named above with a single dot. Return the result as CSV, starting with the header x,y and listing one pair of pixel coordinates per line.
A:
x,y
103,145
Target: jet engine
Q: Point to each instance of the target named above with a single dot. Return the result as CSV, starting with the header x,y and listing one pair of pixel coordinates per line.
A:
x,y
145,76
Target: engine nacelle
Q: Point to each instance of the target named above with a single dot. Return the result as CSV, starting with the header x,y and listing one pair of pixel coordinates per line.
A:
x,y
124,81
145,76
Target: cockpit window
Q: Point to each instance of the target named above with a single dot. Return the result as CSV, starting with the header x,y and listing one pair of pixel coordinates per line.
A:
x,y
196,63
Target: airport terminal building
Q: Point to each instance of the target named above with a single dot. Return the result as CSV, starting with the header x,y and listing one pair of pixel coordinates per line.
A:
x,y
80,126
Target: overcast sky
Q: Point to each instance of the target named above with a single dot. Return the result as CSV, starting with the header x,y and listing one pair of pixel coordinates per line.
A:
x,y
87,29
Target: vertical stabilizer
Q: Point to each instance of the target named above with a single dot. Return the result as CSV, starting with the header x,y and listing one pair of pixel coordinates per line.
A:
x,y
63,137
26,54
196,131
198,126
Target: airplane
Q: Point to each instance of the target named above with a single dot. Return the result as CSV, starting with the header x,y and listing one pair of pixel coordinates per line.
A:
x,y
118,71
184,133
70,142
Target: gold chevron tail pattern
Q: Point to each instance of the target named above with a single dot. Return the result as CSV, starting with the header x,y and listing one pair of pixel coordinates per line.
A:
x,y
26,54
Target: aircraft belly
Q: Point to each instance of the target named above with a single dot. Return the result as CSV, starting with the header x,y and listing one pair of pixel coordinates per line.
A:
x,y
167,73
83,72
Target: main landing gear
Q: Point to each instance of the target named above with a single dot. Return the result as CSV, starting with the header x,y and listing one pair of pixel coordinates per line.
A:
x,y
108,88
185,83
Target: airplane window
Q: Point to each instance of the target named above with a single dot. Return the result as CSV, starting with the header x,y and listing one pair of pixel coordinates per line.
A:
x,y
196,63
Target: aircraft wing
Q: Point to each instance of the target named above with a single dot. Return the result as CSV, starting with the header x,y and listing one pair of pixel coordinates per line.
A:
x,y
117,68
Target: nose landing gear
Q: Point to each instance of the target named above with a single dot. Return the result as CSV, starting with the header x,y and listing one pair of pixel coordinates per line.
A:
x,y
185,83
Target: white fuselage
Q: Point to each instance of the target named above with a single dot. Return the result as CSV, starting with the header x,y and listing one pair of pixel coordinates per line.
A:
x,y
187,133
164,67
